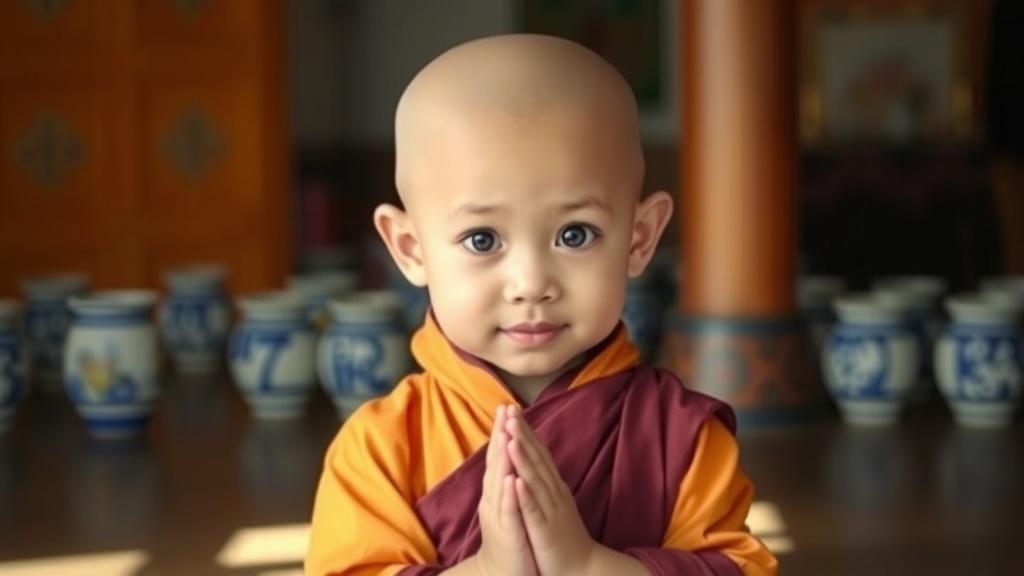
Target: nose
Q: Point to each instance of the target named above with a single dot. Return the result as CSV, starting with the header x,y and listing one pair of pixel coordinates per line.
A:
x,y
531,278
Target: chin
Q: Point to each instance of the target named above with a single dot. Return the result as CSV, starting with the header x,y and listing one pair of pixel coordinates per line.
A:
x,y
533,367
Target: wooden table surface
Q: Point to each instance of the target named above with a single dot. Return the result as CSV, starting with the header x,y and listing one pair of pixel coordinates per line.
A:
x,y
925,497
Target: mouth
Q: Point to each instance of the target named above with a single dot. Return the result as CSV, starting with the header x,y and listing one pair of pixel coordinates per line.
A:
x,y
533,334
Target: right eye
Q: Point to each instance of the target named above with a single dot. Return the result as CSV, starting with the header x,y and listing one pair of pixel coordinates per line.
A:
x,y
481,242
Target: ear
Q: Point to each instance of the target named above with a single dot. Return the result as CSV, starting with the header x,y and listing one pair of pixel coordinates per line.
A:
x,y
649,221
396,230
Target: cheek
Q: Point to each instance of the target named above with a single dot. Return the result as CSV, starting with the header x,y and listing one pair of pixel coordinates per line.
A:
x,y
455,284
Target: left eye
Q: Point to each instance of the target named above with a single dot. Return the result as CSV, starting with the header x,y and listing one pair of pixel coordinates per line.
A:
x,y
576,236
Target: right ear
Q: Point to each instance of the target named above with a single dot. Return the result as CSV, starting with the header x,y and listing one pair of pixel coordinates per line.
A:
x,y
396,230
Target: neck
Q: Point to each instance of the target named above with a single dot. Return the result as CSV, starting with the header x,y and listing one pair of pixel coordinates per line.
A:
x,y
527,388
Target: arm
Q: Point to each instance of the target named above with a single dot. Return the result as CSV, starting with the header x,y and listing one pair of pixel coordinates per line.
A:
x,y
706,531
363,519
364,522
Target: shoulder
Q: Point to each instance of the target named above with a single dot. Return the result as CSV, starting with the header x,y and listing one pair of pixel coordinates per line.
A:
x,y
382,423
681,401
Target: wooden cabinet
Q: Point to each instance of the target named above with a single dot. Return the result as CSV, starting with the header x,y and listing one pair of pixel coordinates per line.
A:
x,y
139,134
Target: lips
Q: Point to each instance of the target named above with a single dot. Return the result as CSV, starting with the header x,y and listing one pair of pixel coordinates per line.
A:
x,y
533,334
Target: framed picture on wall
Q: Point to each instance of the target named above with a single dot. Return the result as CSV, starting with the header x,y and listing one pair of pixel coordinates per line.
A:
x,y
887,72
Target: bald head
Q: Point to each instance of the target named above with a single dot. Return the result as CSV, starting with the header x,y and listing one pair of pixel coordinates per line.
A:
x,y
517,78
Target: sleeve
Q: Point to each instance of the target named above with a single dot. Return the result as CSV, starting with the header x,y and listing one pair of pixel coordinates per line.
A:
x,y
364,521
707,534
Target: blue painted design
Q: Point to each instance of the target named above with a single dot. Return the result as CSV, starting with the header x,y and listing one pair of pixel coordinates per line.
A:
x,y
988,364
124,390
188,325
860,363
356,359
109,386
46,323
10,370
246,340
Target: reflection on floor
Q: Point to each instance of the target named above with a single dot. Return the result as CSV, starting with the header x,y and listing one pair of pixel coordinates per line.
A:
x,y
284,546
922,497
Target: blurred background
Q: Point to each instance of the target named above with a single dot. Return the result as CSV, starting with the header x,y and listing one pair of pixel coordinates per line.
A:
x,y
140,136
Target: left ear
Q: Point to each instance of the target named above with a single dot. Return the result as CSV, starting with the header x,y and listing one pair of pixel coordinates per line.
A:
x,y
649,221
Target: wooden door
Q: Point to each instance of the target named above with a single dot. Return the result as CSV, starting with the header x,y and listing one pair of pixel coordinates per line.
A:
x,y
140,134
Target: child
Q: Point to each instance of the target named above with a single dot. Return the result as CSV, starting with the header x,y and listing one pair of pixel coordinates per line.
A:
x,y
532,442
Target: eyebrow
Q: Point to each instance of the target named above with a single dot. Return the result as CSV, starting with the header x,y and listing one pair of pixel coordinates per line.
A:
x,y
478,209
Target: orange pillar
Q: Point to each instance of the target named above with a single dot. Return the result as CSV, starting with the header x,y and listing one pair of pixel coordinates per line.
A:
x,y
737,335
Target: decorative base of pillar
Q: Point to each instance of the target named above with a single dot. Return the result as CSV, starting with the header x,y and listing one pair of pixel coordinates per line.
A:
x,y
764,368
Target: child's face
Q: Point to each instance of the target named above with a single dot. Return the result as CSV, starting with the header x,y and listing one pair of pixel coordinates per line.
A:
x,y
525,227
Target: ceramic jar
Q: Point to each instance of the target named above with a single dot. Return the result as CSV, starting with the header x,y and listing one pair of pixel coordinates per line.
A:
x,y
13,363
195,318
365,350
870,360
814,299
110,361
316,290
978,361
46,322
1007,291
271,354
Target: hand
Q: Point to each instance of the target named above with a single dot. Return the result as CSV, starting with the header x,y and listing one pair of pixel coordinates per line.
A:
x,y
504,548
560,541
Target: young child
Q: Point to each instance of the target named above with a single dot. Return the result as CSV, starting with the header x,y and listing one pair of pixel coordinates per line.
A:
x,y
532,442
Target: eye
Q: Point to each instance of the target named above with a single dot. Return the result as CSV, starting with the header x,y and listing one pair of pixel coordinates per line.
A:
x,y
576,236
481,241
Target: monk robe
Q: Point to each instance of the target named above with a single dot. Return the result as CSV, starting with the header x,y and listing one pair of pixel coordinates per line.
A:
x,y
652,466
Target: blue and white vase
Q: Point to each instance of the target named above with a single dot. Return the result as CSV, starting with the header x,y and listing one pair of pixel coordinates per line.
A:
x,y
925,319
642,314
329,258
365,350
195,318
46,323
978,361
271,354
814,298
110,361
931,287
318,288
1006,291
13,363
870,360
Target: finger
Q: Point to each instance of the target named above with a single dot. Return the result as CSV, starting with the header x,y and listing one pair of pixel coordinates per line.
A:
x,y
533,516
528,471
498,426
510,519
537,454
491,489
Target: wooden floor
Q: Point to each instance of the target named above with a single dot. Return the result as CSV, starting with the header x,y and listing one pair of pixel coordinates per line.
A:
x,y
923,498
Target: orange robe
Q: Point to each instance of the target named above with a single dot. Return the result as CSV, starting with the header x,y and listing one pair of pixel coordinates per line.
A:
x,y
395,450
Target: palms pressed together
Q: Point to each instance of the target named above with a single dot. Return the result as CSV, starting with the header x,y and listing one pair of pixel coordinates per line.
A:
x,y
528,518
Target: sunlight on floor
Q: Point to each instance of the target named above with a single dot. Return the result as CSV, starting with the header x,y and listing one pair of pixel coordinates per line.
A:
x,y
263,545
765,521
104,564
256,546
